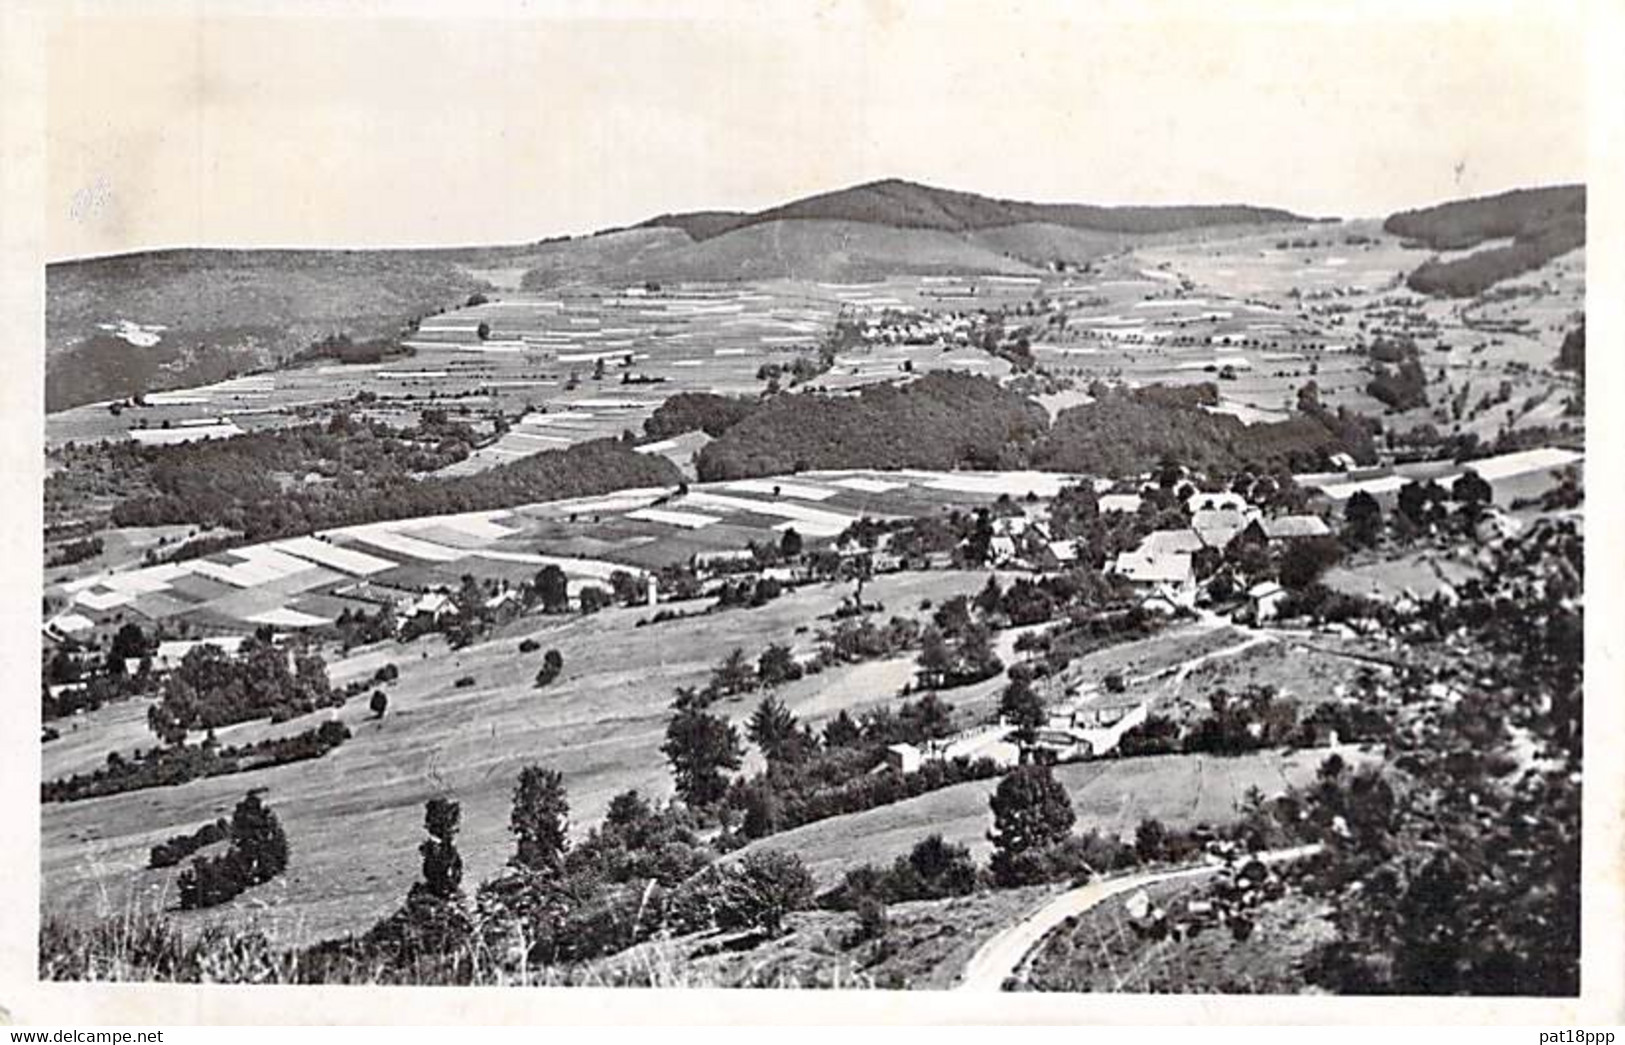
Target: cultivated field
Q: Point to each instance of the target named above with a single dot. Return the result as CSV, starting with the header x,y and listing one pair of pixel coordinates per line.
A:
x,y
309,581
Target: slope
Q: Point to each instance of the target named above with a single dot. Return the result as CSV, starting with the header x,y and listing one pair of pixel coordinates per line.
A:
x,y
903,204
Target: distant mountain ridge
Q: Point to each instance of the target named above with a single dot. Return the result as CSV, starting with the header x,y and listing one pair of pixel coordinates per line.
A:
x,y
909,205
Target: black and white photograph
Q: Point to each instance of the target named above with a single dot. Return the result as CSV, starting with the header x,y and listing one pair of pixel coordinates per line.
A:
x,y
1080,500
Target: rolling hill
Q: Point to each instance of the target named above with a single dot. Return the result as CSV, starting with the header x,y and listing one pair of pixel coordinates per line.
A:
x,y
908,205
155,320
119,325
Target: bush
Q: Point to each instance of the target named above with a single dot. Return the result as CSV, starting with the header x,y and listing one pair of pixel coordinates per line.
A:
x,y
179,847
464,683
873,922
762,890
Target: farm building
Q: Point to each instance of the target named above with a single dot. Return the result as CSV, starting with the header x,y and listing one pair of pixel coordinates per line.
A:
x,y
1165,579
435,605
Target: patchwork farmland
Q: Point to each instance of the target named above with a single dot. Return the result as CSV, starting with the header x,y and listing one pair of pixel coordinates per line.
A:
x,y
309,581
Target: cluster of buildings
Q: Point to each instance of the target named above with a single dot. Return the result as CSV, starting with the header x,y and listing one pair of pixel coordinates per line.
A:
x,y
1163,568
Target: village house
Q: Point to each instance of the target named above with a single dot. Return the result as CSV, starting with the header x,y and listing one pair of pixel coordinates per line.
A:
x,y
394,600
1294,527
435,605
1165,580
1057,555
1264,601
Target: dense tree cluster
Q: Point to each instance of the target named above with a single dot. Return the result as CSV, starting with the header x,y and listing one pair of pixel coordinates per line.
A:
x,y
369,473
180,763
212,688
341,348
70,552
1402,386
1542,223
933,870
1129,431
812,777
943,420
258,853
706,412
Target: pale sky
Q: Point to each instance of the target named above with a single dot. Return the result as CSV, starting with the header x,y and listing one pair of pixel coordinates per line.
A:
x,y
512,122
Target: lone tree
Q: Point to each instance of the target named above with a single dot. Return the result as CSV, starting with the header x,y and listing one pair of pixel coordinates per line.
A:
x,y
553,588
433,920
700,746
1031,815
842,731
540,821
790,545
442,864
552,665
1471,488
734,675
1150,841
258,835
775,730
1022,708
764,889
378,704
1362,520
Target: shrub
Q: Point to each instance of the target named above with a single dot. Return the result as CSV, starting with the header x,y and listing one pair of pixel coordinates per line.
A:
x,y
762,890
179,847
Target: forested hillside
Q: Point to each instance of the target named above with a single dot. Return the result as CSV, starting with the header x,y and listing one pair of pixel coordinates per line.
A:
x,y
907,205
1126,432
944,420
243,484
1542,224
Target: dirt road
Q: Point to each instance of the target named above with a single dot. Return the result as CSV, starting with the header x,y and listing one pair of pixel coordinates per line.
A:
x,y
1006,954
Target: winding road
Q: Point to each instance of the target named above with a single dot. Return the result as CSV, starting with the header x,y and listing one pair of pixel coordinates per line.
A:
x,y
1006,954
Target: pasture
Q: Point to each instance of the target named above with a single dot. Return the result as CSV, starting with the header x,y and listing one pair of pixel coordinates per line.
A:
x,y
354,817
1108,795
